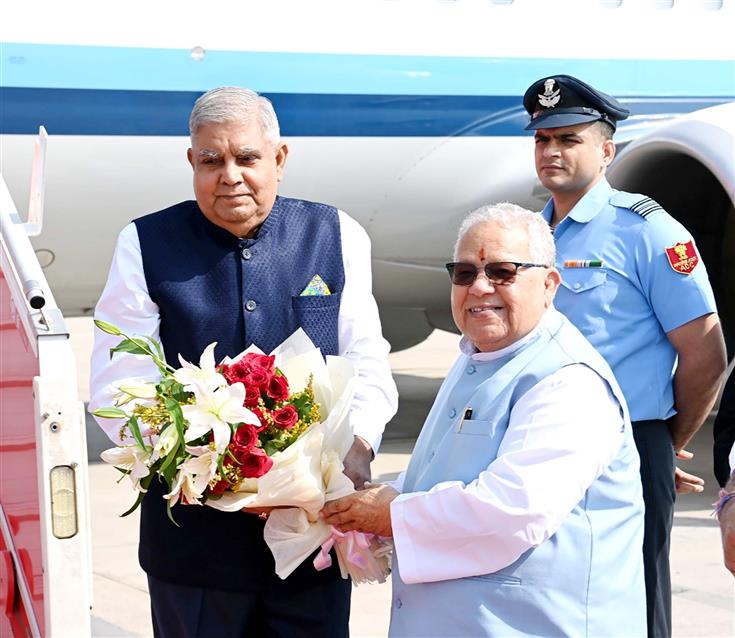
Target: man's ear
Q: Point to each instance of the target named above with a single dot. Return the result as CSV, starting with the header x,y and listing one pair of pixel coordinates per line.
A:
x,y
190,156
551,284
281,155
608,152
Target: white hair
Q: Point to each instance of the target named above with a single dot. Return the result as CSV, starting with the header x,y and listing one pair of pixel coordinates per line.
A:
x,y
232,104
540,241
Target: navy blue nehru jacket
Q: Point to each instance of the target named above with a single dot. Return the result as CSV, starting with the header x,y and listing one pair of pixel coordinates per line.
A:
x,y
210,285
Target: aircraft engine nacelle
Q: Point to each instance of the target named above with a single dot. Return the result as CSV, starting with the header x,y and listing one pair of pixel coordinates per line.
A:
x,y
688,167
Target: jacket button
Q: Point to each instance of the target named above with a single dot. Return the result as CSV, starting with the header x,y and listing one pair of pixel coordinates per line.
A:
x,y
471,370
246,253
452,413
577,286
250,305
399,604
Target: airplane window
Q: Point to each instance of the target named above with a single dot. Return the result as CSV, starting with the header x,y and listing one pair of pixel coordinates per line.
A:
x,y
502,1
664,4
610,4
712,5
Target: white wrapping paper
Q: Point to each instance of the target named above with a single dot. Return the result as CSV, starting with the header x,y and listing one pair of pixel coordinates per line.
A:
x,y
308,473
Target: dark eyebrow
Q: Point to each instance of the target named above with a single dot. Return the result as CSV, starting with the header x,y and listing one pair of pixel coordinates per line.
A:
x,y
564,137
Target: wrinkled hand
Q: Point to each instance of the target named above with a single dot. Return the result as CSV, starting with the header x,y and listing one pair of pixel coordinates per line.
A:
x,y
364,511
357,463
686,483
727,527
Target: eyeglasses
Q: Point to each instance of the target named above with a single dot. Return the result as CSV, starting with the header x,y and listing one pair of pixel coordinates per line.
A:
x,y
499,273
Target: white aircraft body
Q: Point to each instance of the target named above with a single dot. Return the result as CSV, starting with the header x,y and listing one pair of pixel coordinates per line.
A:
x,y
405,113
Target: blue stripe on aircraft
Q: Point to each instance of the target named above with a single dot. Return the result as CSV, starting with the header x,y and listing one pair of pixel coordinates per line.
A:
x,y
149,69
166,113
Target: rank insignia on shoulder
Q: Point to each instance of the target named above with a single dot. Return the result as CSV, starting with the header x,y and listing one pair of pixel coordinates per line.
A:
x,y
683,257
639,204
646,206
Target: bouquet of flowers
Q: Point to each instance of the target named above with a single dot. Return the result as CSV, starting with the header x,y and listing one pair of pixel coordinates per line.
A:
x,y
237,435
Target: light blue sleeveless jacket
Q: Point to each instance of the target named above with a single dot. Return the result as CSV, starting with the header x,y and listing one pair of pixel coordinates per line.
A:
x,y
587,579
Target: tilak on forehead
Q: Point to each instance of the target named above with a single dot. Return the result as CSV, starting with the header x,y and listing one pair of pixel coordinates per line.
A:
x,y
482,253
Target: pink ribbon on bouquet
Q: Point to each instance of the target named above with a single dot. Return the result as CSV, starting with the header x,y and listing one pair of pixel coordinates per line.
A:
x,y
355,542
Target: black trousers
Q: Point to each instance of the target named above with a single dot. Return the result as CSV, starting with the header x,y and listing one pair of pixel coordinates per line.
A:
x,y
653,440
181,611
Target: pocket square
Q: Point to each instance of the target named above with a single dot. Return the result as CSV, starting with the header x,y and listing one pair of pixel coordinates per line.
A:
x,y
317,287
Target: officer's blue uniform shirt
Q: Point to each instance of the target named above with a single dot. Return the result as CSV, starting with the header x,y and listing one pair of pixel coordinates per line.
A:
x,y
626,306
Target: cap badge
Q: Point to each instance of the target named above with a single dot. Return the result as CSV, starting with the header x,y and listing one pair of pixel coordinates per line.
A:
x,y
683,257
550,97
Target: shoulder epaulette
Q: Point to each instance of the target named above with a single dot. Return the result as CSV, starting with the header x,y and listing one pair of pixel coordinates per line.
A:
x,y
639,204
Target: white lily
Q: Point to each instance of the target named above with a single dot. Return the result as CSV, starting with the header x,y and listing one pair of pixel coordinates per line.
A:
x,y
139,389
203,376
135,390
193,476
214,410
166,442
130,458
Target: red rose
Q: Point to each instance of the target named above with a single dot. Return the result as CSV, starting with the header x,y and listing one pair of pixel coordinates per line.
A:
x,y
247,359
252,394
258,377
265,361
256,463
278,388
286,417
245,436
219,487
240,453
235,373
262,361
261,417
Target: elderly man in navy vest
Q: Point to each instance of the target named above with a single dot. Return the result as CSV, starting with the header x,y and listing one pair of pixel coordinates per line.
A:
x,y
520,513
242,266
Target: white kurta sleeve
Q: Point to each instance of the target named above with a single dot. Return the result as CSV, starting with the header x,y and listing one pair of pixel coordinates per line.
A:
x,y
125,303
561,436
361,339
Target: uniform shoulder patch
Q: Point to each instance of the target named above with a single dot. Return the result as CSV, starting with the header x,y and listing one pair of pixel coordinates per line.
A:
x,y
639,204
683,257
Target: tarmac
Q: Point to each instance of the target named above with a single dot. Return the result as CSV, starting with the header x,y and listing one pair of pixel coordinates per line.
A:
x,y
703,590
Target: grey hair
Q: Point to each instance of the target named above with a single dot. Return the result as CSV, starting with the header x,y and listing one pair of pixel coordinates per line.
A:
x,y
232,104
540,241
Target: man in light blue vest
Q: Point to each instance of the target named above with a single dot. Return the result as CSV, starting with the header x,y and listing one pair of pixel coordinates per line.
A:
x,y
520,513
240,266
